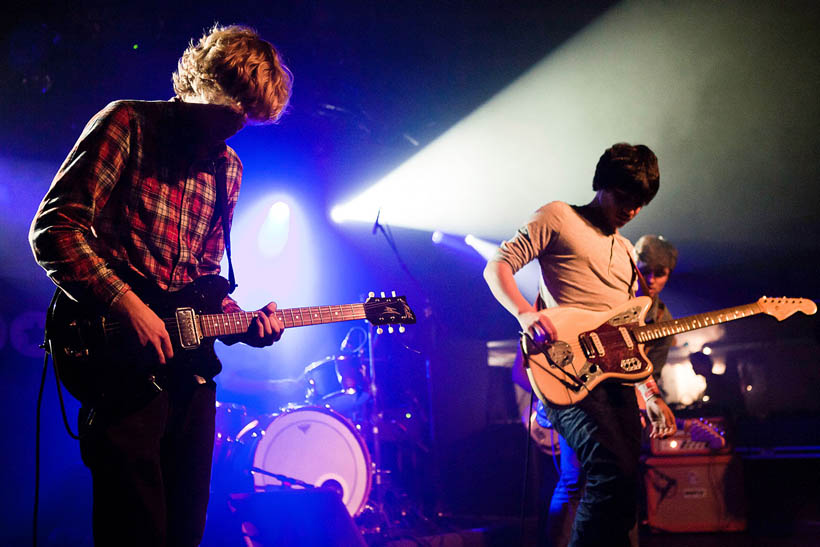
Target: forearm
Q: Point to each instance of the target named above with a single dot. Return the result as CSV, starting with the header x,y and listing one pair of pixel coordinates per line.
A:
x,y
499,277
648,389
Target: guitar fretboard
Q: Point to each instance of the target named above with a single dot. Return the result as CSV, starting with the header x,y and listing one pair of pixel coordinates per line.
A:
x,y
655,331
224,324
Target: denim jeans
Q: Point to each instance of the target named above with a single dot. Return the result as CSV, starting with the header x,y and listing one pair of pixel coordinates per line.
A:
x,y
604,431
565,498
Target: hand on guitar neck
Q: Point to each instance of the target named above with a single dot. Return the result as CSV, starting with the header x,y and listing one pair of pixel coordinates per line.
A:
x,y
265,329
95,353
151,332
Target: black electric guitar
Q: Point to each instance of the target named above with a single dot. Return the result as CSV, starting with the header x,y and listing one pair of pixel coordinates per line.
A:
x,y
592,347
94,355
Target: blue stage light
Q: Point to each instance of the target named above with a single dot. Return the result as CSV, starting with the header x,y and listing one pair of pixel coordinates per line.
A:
x,y
275,229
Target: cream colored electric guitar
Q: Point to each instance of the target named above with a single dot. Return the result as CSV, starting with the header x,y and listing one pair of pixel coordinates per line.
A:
x,y
592,347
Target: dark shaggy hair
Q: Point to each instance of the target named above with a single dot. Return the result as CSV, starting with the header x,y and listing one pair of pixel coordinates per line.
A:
x,y
628,169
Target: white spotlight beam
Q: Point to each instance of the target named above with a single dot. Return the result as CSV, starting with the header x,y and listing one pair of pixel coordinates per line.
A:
x,y
673,75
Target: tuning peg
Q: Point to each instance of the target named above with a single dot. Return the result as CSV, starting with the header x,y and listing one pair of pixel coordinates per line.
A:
x,y
393,294
382,294
401,328
371,294
390,329
379,330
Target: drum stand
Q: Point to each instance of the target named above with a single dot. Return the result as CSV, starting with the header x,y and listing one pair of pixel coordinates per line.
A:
x,y
374,421
383,517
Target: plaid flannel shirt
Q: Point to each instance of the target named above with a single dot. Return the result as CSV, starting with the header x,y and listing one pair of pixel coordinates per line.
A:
x,y
115,203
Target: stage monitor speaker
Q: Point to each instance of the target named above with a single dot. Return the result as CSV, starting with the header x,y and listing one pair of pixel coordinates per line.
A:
x,y
695,494
296,518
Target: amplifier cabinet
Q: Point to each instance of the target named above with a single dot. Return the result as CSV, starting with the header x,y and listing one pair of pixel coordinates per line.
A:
x,y
695,493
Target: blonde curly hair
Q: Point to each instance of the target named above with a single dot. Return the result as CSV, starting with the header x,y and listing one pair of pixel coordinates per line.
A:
x,y
233,65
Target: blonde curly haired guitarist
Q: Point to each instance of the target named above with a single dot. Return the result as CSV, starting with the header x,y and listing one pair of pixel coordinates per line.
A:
x,y
145,198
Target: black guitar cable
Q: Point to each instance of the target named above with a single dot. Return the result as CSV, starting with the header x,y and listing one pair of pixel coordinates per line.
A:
x,y
37,432
47,350
37,429
528,447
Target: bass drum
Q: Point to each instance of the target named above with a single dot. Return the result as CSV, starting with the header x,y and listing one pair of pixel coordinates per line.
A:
x,y
313,445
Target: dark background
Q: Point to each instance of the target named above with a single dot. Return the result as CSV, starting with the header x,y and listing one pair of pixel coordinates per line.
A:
x,y
742,204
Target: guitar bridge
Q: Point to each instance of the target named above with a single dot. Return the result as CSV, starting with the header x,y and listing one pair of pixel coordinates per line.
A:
x,y
189,337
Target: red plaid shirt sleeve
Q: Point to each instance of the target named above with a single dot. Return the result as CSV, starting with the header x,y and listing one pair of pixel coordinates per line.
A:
x,y
118,201
61,229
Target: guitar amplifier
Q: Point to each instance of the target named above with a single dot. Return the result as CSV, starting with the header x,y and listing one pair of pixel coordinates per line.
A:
x,y
695,436
695,494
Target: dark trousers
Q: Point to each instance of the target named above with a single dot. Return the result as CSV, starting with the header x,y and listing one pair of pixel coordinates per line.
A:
x,y
604,430
151,468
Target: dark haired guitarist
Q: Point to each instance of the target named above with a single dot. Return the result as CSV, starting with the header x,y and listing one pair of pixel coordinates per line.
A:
x,y
586,263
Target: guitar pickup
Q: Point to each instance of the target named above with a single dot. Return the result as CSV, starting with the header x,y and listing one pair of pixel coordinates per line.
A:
x,y
627,337
591,345
188,333
599,346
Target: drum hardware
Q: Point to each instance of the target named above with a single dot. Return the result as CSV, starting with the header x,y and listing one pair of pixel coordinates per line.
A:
x,y
286,481
339,381
374,419
390,432
326,443
312,446
346,383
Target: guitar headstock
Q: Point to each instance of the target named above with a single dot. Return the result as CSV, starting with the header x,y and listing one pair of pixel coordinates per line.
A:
x,y
781,308
388,310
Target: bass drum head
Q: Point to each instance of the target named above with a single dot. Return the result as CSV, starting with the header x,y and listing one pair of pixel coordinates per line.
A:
x,y
319,447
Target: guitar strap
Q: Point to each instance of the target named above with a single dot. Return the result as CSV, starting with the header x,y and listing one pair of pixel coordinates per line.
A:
x,y
221,178
637,273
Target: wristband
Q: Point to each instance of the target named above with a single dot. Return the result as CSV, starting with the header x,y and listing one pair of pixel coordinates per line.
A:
x,y
648,389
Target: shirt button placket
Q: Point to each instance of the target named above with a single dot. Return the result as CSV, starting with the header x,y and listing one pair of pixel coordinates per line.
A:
x,y
184,223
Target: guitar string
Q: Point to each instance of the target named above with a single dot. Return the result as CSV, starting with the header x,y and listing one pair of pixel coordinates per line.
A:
x,y
576,349
208,321
645,333
654,331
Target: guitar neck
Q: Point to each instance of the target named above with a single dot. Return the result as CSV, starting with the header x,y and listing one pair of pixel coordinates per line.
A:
x,y
225,324
663,329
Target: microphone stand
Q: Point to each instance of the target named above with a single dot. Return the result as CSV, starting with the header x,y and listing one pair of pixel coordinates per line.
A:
x,y
375,425
375,416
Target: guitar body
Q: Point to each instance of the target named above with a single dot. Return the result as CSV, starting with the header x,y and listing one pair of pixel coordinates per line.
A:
x,y
96,357
591,347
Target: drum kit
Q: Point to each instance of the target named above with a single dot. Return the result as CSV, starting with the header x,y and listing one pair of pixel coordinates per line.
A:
x,y
324,441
